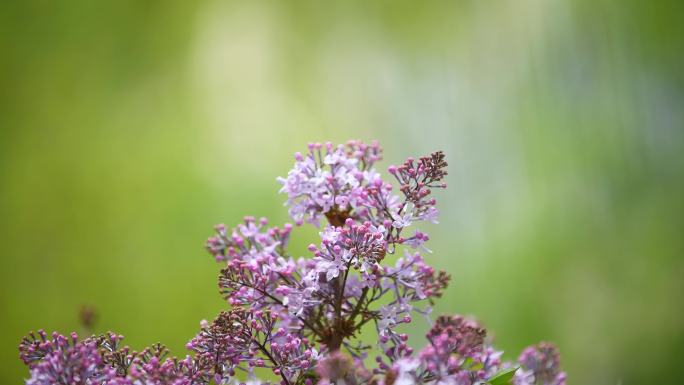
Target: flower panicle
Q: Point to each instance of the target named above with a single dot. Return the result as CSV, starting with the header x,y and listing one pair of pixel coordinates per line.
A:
x,y
301,318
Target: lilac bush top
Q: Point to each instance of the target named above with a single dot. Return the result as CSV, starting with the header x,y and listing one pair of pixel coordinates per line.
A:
x,y
300,318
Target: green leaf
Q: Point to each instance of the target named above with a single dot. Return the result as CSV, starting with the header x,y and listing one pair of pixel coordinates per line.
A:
x,y
470,364
504,377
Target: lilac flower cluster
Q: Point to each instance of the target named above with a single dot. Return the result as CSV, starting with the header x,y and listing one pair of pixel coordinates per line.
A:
x,y
239,339
330,181
300,318
100,360
62,360
541,364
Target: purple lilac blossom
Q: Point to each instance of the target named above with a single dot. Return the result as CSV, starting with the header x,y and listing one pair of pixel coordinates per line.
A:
x,y
300,317
540,364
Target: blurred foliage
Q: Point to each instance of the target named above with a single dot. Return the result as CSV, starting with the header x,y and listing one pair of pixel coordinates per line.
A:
x,y
129,128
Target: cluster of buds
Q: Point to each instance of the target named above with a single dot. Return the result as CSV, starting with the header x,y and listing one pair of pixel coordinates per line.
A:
x,y
244,340
301,318
417,179
63,360
540,364
224,344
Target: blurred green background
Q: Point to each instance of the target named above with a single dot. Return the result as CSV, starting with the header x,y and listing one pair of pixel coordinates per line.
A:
x,y
129,128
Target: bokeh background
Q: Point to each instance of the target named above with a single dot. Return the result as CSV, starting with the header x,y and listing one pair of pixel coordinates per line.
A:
x,y
129,128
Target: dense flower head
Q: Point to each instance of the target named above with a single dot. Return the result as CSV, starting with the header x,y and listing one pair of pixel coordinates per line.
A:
x,y
237,339
225,343
455,334
541,365
64,360
360,246
329,180
300,318
340,182
452,341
